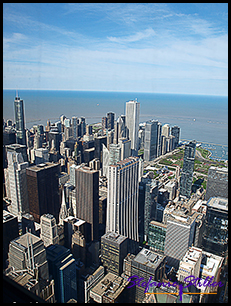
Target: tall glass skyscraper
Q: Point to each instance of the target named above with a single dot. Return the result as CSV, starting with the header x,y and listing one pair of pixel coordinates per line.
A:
x,y
132,123
19,121
188,166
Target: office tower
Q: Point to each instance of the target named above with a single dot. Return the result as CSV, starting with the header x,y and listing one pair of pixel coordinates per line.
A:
x,y
110,120
114,248
9,137
122,197
41,156
54,138
104,123
190,264
169,143
215,236
75,127
217,183
179,236
94,164
105,161
125,146
71,225
110,137
132,123
156,236
49,233
175,131
87,198
15,176
28,252
114,153
18,148
187,171
43,190
19,121
122,126
152,140
62,268
10,232
99,141
166,130
144,265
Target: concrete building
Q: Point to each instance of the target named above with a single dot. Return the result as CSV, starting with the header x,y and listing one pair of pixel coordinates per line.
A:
x,y
166,130
122,205
28,252
113,251
49,233
190,264
132,123
179,236
175,131
109,289
16,183
145,264
114,153
41,156
217,183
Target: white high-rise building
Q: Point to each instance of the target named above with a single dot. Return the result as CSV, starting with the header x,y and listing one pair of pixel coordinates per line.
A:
x,y
16,178
49,232
166,130
122,197
132,123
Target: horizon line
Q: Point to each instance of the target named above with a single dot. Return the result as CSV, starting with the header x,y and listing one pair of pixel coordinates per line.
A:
x,y
122,91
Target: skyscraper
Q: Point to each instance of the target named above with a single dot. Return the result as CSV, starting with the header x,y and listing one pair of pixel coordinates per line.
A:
x,y
132,123
43,190
19,121
122,206
15,175
62,268
152,140
49,233
188,166
87,198
28,252
217,183
110,120
175,131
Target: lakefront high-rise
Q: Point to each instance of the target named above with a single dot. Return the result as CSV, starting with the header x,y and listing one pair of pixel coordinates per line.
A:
x,y
132,123
19,121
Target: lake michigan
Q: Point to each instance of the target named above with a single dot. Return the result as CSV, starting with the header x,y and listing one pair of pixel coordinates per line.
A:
x,y
200,117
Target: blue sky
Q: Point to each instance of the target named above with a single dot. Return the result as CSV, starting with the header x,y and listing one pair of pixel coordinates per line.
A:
x,y
134,47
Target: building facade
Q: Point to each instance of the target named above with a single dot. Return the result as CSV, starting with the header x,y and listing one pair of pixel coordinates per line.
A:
x,y
122,205
152,140
217,183
19,121
87,198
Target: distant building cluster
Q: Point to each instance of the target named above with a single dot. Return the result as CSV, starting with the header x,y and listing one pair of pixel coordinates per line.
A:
x,y
81,217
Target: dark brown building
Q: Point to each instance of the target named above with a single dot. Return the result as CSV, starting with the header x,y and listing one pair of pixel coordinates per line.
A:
x,y
43,190
87,198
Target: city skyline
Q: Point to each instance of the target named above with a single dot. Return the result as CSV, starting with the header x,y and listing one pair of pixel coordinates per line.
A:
x,y
165,48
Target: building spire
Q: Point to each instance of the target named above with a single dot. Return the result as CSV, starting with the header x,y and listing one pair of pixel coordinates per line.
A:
x,y
63,209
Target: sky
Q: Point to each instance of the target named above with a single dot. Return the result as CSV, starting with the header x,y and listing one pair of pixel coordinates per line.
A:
x,y
133,47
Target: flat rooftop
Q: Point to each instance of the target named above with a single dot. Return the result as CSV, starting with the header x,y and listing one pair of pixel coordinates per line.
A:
x,y
114,237
149,258
218,203
42,166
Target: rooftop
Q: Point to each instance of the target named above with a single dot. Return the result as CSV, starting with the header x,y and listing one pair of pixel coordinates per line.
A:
x,y
149,258
218,202
42,166
114,237
8,216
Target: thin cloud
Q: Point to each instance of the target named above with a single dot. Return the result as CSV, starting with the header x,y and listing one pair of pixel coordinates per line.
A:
x,y
132,38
